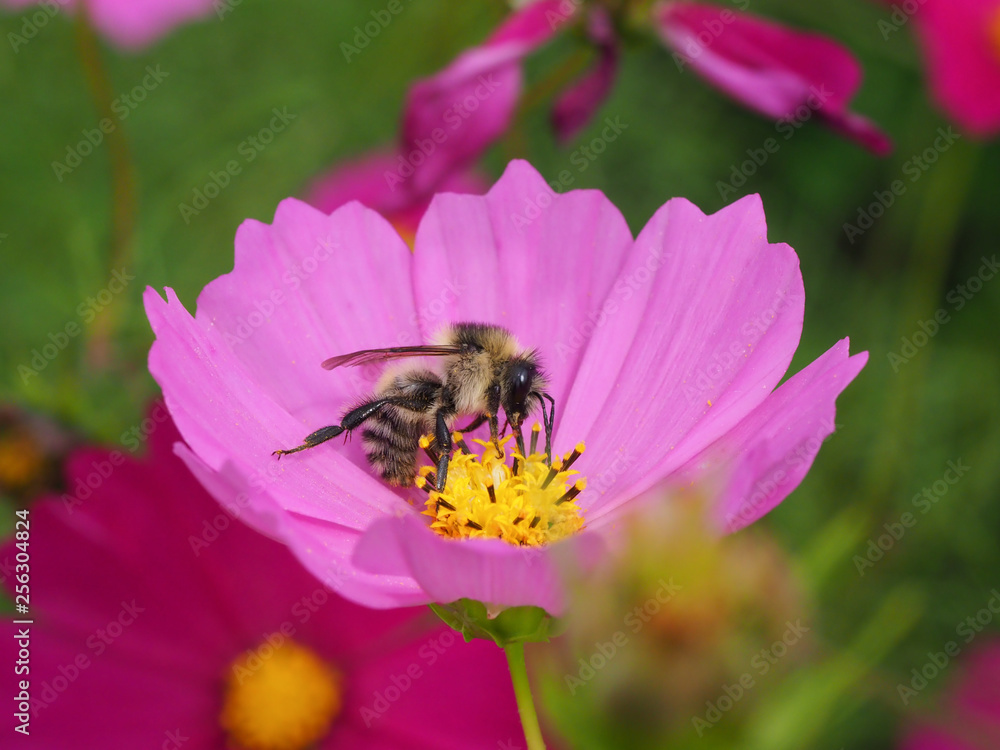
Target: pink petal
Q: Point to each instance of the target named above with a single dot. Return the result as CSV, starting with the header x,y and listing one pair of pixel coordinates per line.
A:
x,y
243,377
133,24
707,315
452,117
451,695
323,547
768,454
488,570
524,257
577,104
978,690
110,702
775,70
961,39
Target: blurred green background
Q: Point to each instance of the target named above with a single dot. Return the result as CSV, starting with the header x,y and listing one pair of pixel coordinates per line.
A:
x,y
898,426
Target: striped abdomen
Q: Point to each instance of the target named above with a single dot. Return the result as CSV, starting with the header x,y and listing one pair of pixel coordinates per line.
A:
x,y
392,434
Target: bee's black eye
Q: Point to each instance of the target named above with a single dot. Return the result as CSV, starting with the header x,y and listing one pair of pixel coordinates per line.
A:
x,y
522,377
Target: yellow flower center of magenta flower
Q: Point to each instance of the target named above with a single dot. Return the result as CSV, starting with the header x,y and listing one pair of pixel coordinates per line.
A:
x,y
528,503
405,230
280,697
21,461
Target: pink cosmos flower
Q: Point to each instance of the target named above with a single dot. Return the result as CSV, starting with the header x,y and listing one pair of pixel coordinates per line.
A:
x,y
450,118
363,179
133,24
968,718
961,39
662,352
160,621
779,72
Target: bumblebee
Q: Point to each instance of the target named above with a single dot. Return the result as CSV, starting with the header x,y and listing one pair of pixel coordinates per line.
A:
x,y
483,370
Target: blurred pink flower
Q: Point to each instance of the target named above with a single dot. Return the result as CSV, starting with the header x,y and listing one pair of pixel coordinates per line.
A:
x,y
662,353
968,715
133,24
770,68
146,594
363,179
961,40
451,117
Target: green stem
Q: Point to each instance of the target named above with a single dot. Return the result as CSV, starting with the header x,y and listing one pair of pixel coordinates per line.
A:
x,y
522,692
123,189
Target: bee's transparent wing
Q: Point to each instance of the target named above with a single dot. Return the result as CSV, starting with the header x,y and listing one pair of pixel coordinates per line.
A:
x,y
380,355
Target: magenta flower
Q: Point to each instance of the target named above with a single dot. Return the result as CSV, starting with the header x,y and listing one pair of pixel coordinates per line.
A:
x,y
661,353
961,40
450,118
779,72
160,621
364,180
133,24
968,716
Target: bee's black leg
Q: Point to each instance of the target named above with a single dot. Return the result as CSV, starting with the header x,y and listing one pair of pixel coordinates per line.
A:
x,y
442,435
473,424
495,434
519,438
351,420
492,407
548,423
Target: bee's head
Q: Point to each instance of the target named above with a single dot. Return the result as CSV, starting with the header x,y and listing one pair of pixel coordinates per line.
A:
x,y
521,381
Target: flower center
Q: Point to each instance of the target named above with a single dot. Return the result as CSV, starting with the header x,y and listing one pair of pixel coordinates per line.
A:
x,y
527,504
21,461
280,697
406,230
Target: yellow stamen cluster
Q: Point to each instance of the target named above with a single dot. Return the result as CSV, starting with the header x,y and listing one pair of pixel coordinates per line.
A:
x,y
280,696
485,498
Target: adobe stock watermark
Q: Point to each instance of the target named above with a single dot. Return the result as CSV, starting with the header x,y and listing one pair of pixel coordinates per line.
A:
x,y
634,621
937,661
231,510
760,497
725,360
364,34
922,502
122,106
786,127
97,643
902,11
915,167
35,21
760,664
695,45
624,289
453,119
958,297
301,613
581,158
401,682
249,149
102,469
291,281
562,13
223,8
87,311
